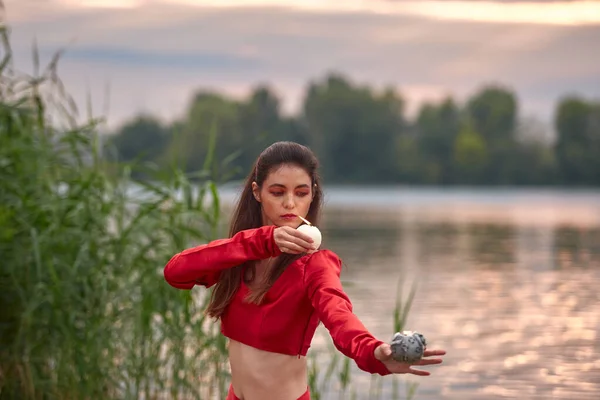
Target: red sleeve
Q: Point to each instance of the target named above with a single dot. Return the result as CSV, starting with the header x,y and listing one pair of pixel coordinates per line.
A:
x,y
202,265
322,279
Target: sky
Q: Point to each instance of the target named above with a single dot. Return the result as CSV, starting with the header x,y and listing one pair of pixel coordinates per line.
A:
x,y
151,56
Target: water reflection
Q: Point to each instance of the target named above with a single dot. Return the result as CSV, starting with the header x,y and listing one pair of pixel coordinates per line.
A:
x,y
516,302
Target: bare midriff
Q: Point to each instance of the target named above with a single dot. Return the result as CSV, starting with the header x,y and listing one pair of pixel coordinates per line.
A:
x,y
258,374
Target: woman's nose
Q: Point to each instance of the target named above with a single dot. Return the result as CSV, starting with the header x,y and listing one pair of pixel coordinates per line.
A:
x,y
288,202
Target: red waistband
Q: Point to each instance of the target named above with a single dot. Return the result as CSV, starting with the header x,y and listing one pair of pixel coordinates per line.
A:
x,y
232,396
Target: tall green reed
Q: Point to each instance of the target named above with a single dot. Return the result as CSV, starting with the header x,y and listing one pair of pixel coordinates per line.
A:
x,y
86,313
401,312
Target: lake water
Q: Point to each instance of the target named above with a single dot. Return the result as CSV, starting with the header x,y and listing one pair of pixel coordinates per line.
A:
x,y
508,284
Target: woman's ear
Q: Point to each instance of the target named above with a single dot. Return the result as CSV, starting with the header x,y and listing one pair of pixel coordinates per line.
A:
x,y
256,191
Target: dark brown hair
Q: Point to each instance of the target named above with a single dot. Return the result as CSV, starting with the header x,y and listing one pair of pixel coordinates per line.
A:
x,y
248,215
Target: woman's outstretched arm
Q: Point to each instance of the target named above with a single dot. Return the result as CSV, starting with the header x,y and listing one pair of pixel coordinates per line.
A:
x,y
350,336
348,333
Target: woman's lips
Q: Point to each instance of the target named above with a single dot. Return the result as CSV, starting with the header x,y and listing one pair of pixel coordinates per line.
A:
x,y
288,216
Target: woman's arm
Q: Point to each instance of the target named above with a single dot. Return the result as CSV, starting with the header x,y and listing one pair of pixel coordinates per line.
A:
x,y
322,279
202,265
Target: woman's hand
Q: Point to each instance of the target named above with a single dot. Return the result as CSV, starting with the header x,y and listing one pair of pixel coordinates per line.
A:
x,y
384,354
292,241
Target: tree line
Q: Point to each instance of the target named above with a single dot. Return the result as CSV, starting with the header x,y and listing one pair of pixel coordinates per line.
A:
x,y
364,136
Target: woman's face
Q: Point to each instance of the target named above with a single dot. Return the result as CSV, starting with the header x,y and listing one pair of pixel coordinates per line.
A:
x,y
285,194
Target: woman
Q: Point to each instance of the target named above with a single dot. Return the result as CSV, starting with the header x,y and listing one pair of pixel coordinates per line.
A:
x,y
273,287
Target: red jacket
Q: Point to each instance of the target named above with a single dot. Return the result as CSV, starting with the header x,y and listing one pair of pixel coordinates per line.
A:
x,y
308,291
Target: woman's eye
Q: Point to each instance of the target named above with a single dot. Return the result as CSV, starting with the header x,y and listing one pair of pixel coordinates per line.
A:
x,y
277,194
302,194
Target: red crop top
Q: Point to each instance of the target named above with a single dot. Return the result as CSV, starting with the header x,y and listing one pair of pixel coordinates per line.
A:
x,y
307,292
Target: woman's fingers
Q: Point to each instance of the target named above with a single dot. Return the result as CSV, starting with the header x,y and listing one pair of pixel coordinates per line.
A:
x,y
290,240
383,353
291,248
418,372
300,239
302,244
429,353
429,361
402,368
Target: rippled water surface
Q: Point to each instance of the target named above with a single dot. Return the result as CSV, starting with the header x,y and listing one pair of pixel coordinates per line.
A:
x,y
508,284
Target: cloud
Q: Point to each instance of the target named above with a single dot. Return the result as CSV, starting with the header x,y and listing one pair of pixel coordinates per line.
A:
x,y
156,56
113,55
534,12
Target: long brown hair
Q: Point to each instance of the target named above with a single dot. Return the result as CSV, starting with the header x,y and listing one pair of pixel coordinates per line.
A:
x,y
248,215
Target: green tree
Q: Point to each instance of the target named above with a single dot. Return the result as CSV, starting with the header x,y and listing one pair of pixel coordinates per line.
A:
x,y
143,138
408,161
533,161
189,146
493,111
354,129
470,154
260,124
578,145
437,127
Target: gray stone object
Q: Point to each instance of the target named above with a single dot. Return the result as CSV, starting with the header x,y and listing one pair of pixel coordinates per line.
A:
x,y
408,346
